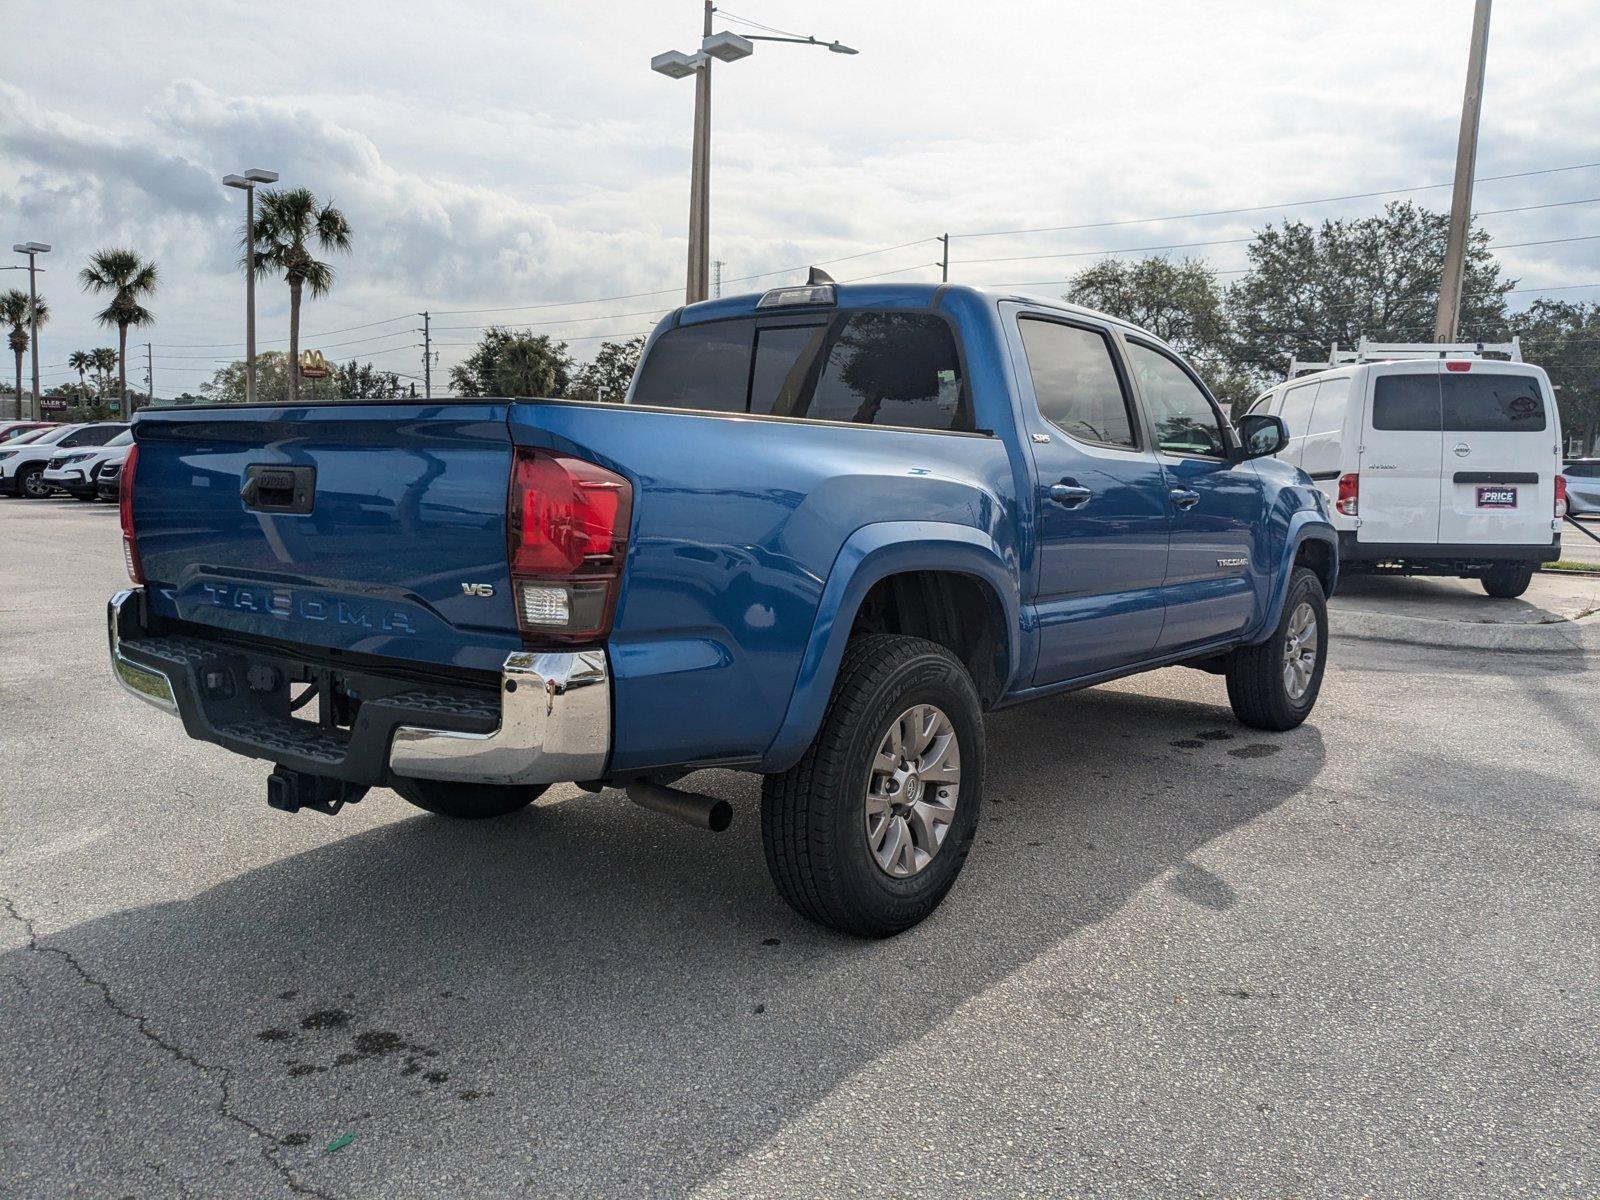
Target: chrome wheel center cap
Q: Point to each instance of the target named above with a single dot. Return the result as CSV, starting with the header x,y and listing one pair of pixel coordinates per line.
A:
x,y
913,788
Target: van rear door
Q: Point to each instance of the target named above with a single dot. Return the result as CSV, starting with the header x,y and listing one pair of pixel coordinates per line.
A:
x,y
1501,454
1402,449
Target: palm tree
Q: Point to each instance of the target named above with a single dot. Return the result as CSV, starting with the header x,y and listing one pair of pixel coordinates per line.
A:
x,y
104,360
129,280
286,220
81,361
17,311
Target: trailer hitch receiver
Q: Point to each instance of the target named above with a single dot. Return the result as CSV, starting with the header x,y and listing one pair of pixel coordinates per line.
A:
x,y
290,790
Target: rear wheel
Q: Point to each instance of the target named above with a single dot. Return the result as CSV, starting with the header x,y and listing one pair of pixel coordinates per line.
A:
x,y
868,831
1274,685
1507,583
465,801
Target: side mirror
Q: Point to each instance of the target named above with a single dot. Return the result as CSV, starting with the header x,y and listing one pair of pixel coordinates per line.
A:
x,y
1261,435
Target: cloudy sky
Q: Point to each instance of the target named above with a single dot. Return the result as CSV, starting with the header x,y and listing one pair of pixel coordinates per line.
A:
x,y
521,155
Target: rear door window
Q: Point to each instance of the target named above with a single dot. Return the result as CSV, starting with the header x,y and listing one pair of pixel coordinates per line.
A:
x,y
1491,403
1076,384
1406,402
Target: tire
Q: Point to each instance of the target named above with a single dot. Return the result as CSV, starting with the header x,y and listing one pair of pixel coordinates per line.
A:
x,y
30,485
816,818
1259,677
465,801
1507,583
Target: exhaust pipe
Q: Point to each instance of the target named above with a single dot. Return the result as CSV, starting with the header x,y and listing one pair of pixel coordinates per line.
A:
x,y
703,812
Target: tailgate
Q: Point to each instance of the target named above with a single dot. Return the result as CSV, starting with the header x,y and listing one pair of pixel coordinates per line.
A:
x,y
370,528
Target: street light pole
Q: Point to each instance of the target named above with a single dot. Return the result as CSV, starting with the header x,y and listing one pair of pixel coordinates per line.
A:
x,y
247,184
729,47
33,250
1448,316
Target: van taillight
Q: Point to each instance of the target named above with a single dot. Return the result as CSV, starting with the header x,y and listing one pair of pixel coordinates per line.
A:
x,y
1349,494
567,529
1561,496
130,548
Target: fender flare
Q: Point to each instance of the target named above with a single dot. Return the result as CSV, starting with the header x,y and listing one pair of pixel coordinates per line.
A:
x,y
1305,525
870,554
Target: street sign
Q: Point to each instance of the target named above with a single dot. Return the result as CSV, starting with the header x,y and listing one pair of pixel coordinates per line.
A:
x,y
313,365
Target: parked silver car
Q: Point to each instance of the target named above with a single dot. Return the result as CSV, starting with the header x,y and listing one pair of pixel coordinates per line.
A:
x,y
1583,486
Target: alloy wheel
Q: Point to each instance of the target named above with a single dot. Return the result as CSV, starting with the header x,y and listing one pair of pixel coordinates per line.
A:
x,y
1300,651
912,790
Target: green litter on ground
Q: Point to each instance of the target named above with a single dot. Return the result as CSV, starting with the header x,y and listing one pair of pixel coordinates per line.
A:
x,y
339,1143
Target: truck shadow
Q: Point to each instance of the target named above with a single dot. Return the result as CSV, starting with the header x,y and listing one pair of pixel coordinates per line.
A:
x,y
625,999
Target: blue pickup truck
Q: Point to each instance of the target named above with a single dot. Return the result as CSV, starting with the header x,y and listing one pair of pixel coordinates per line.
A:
x,y
830,528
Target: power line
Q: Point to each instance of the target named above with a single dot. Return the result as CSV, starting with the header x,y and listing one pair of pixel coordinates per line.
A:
x,y
1225,242
303,337
1228,212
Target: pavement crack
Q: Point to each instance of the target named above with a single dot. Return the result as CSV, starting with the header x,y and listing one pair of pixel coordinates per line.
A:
x,y
221,1076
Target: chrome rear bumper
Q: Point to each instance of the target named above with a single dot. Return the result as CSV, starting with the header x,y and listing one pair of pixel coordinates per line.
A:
x,y
554,716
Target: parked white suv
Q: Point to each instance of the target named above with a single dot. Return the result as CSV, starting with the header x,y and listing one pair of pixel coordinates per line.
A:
x,y
77,472
1435,460
22,464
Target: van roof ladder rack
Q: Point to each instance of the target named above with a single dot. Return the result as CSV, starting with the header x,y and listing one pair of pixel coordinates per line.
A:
x,y
1370,351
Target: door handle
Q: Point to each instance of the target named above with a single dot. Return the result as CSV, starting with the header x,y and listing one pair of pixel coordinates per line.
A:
x,y
1184,498
1070,495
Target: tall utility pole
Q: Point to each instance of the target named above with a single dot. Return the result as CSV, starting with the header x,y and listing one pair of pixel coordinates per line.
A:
x,y
944,261
33,250
149,374
427,359
1448,316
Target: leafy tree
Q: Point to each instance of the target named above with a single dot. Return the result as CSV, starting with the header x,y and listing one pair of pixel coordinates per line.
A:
x,y
608,374
272,380
1179,302
1562,337
512,363
21,313
363,381
1379,276
288,220
129,280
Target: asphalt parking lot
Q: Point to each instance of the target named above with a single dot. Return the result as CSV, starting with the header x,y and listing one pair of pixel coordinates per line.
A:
x,y
1186,958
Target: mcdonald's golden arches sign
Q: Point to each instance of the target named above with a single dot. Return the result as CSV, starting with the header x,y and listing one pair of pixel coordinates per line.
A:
x,y
313,365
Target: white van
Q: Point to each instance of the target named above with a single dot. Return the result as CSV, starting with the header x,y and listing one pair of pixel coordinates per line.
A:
x,y
1435,460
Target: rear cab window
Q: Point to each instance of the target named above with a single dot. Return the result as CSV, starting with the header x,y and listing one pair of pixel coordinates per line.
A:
x,y
892,368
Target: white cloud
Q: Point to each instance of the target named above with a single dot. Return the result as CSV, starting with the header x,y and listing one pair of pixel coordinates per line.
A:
x,y
515,154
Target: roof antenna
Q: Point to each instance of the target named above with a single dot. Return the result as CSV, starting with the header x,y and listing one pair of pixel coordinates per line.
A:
x,y
818,276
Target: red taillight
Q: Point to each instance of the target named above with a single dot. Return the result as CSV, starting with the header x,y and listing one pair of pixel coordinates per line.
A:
x,y
567,532
1349,494
1561,496
130,548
